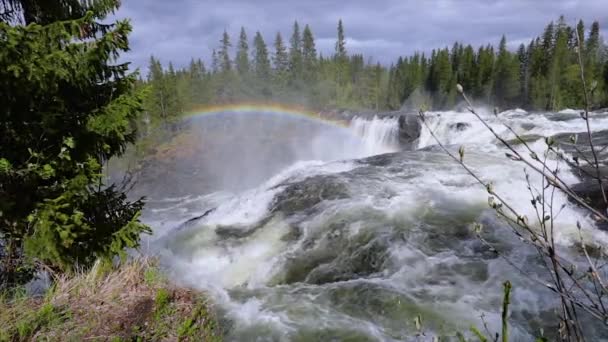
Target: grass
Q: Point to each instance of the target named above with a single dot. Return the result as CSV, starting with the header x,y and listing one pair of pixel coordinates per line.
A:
x,y
133,302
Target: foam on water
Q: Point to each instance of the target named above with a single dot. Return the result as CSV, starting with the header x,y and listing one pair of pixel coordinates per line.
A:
x,y
241,251
523,123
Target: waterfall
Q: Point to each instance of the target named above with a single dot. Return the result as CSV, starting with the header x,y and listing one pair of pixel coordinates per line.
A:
x,y
380,135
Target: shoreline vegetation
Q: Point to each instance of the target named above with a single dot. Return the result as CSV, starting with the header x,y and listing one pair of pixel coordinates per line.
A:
x,y
130,302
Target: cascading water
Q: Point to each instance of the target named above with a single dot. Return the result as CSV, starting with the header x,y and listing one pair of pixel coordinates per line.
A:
x,y
356,247
380,135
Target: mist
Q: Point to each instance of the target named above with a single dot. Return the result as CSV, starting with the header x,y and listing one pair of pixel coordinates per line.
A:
x,y
236,151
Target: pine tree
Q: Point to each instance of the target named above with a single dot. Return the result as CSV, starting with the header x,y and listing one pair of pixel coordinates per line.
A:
x,y
506,80
197,90
260,58
158,106
224,54
175,99
485,73
547,47
467,69
341,42
559,62
593,61
46,12
66,109
295,54
280,59
341,68
593,43
309,55
242,55
215,62
262,65
580,30
442,80
522,59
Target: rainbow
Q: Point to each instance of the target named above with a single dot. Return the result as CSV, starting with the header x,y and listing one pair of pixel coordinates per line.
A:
x,y
264,108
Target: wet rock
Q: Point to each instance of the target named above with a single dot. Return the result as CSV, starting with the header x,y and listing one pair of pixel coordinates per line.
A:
x,y
294,234
379,160
353,263
600,140
563,116
298,268
476,271
460,126
192,221
409,129
590,191
226,232
304,195
319,249
524,138
383,305
527,126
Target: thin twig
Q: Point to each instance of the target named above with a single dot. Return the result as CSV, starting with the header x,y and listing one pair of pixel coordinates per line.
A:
x,y
595,159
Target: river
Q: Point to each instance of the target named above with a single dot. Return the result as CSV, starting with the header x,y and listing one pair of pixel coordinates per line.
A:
x,y
328,233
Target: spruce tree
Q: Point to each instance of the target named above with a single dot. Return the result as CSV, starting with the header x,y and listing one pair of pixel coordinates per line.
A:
x,y
309,55
280,60
341,67
175,98
580,30
559,63
260,58
67,107
594,52
242,55
467,69
341,42
295,54
506,79
485,73
158,102
261,64
215,62
196,85
226,82
522,59
224,54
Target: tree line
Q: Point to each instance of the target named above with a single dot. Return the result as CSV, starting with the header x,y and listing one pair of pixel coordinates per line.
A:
x,y
542,75
288,71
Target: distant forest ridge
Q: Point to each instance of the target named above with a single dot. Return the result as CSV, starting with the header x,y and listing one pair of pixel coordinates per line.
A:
x,y
542,75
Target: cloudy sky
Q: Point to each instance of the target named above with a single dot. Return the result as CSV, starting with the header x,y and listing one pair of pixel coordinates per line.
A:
x,y
177,30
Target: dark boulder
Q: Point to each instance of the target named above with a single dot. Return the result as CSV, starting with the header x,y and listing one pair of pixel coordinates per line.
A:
x,y
600,141
590,192
527,126
304,195
460,126
409,129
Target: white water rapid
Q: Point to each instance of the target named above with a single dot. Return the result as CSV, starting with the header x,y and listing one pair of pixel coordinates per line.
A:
x,y
356,243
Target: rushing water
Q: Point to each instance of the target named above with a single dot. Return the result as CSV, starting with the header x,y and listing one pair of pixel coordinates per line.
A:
x,y
354,244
